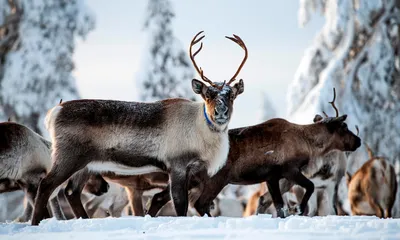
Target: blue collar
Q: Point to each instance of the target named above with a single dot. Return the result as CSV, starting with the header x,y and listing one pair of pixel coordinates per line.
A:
x,y
207,119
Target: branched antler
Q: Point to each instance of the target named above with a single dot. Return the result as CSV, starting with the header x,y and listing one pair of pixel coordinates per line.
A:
x,y
333,105
199,70
333,102
240,42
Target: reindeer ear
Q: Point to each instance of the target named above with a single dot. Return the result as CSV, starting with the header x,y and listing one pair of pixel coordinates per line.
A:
x,y
348,178
342,118
317,118
198,87
238,88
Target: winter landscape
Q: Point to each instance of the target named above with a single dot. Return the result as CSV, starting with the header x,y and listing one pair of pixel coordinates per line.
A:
x,y
135,164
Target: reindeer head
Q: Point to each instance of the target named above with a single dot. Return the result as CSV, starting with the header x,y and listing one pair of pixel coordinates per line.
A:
x,y
96,185
339,136
218,96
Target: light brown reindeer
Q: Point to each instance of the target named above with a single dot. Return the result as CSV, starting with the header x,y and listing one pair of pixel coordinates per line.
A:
x,y
135,138
135,186
252,203
372,189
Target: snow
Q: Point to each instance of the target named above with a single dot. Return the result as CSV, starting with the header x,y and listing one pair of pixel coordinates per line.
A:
x,y
256,227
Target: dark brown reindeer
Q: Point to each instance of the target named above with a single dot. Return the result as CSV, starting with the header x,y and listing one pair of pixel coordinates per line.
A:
x,y
325,174
268,152
25,158
372,189
135,138
326,179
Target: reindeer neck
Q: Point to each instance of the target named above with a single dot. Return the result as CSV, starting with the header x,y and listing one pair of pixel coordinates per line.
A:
x,y
315,135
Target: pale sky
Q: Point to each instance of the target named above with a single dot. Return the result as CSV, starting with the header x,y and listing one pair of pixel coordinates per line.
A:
x,y
108,60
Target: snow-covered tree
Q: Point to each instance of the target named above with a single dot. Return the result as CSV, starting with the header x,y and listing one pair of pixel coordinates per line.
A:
x,y
356,52
166,70
37,40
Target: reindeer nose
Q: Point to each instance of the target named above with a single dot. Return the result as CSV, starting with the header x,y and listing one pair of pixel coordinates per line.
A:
x,y
358,142
221,108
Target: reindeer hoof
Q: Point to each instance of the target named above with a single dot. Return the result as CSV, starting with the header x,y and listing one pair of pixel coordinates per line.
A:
x,y
283,212
298,210
19,220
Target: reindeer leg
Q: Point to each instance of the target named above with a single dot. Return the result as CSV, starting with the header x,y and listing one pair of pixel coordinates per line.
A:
x,y
179,191
74,190
158,201
274,190
265,201
197,177
59,173
298,178
393,185
56,208
92,205
135,200
374,204
27,214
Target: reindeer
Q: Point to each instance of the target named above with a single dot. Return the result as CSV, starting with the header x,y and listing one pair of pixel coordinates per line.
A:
x,y
252,203
325,178
114,203
270,151
372,189
290,199
135,186
325,173
135,138
24,161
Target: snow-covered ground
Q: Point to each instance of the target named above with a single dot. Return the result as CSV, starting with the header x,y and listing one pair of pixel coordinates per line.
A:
x,y
254,227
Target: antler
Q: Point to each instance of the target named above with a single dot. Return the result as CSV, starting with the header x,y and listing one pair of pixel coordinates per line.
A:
x,y
199,70
240,42
333,102
358,130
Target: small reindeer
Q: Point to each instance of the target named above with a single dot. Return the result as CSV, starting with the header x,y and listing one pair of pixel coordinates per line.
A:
x,y
135,138
271,151
136,186
372,189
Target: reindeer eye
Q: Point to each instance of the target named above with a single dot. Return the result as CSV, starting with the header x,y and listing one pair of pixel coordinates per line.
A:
x,y
210,94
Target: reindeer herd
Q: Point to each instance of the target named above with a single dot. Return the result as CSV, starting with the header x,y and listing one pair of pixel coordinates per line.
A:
x,y
182,153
